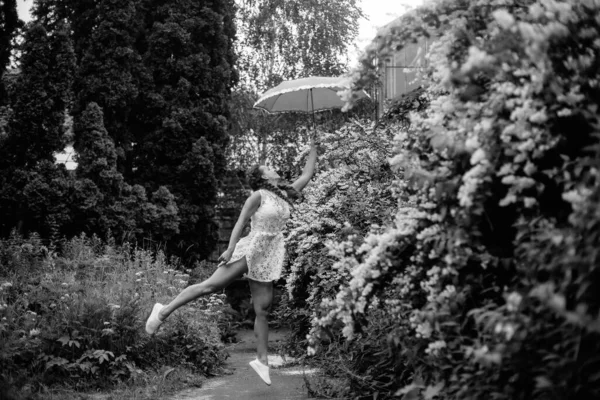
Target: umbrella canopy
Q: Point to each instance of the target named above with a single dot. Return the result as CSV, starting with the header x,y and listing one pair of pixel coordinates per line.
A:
x,y
307,95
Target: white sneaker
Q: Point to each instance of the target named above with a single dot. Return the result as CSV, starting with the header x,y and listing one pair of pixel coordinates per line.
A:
x,y
262,370
153,322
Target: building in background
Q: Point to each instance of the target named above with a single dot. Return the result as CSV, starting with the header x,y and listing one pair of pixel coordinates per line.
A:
x,y
399,73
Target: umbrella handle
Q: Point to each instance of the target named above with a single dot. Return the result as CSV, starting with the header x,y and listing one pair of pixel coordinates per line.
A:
x,y
312,103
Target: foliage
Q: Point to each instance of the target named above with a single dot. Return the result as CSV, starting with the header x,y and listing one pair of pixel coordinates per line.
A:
x,y
484,282
278,139
111,205
282,40
76,319
42,96
9,26
160,75
33,190
349,196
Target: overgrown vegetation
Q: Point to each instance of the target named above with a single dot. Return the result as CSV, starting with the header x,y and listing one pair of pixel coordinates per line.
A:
x,y
75,321
483,282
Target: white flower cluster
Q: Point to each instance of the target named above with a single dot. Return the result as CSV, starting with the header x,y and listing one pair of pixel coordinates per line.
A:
x,y
506,330
434,348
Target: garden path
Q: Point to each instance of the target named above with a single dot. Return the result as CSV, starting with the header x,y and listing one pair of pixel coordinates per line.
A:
x,y
244,384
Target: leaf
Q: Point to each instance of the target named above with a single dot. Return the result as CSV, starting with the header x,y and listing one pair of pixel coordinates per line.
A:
x,y
542,382
64,340
167,372
432,391
408,389
58,361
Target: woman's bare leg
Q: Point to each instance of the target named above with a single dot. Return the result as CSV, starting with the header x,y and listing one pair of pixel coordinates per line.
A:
x,y
262,297
220,279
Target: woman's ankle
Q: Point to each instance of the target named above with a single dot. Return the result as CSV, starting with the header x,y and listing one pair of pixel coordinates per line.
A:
x,y
161,315
264,360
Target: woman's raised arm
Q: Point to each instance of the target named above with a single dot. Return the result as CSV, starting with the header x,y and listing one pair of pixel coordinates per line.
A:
x,y
309,168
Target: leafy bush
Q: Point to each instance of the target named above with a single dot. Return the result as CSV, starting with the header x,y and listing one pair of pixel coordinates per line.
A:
x,y
77,319
349,197
485,282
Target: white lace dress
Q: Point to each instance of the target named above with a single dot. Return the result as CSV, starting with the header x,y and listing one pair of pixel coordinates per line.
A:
x,y
264,246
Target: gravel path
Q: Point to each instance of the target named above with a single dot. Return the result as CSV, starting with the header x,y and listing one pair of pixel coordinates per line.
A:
x,y
244,383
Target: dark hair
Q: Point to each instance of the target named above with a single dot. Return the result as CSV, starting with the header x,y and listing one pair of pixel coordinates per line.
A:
x,y
256,182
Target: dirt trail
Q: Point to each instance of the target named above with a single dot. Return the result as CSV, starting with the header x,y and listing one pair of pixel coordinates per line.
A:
x,y
244,383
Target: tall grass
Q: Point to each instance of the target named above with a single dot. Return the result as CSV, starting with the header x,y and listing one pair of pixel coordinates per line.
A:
x,y
76,319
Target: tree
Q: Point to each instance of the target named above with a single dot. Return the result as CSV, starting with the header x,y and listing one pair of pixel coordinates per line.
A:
x,y
33,190
285,40
106,204
185,112
161,73
42,95
9,26
111,73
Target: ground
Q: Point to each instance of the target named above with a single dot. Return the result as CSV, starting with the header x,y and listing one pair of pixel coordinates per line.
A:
x,y
244,384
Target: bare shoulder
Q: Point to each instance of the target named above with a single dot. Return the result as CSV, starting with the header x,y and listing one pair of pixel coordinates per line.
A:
x,y
253,201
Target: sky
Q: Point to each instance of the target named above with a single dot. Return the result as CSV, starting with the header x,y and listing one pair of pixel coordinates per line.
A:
x,y
377,12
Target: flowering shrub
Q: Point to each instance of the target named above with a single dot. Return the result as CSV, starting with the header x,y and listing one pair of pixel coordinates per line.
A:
x,y
351,195
486,280
78,319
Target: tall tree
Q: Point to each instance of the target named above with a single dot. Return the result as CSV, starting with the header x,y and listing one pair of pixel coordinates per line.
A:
x,y
32,193
106,204
9,25
161,72
42,95
111,72
190,57
282,39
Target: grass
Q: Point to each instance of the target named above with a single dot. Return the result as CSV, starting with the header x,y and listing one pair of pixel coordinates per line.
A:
x,y
72,322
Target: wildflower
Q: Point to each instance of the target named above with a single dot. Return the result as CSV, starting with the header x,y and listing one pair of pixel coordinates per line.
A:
x,y
6,285
107,332
34,332
509,330
472,143
434,347
424,330
513,301
504,18
477,59
64,284
558,302
481,352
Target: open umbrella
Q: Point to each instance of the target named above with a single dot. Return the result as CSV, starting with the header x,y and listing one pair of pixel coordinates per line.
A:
x,y
307,95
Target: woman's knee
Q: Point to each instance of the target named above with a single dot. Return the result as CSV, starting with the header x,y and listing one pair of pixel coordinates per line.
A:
x,y
262,309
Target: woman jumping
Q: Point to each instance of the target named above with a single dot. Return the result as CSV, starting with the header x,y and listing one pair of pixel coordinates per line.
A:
x,y
259,255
